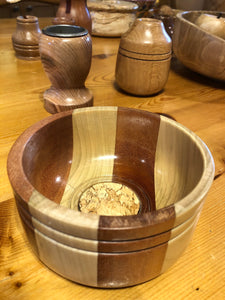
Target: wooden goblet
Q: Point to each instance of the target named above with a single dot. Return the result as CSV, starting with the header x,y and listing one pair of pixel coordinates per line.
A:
x,y
66,57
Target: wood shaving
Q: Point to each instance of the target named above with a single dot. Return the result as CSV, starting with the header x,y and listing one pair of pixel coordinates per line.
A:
x,y
110,199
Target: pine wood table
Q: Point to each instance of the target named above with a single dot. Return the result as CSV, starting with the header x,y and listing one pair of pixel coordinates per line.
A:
x,y
195,101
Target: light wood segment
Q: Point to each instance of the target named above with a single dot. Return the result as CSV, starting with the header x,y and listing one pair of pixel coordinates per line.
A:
x,y
61,218
189,158
94,134
177,246
68,240
74,264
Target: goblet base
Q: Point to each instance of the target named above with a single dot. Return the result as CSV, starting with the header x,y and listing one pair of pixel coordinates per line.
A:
x,y
57,100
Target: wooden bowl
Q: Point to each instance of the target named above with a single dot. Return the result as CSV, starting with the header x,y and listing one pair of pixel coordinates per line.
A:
x,y
54,161
198,49
111,18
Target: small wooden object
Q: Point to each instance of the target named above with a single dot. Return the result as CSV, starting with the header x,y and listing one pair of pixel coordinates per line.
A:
x,y
74,10
111,18
66,53
54,162
143,7
197,49
143,59
26,38
63,20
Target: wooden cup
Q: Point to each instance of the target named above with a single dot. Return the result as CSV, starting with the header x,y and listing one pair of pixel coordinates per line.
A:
x,y
66,57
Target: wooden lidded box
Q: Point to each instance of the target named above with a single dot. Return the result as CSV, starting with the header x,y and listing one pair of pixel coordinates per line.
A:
x,y
143,59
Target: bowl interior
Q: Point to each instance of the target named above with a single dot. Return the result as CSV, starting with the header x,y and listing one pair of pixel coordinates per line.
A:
x,y
193,15
157,158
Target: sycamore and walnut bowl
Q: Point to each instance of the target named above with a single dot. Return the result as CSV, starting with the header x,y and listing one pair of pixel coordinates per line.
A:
x,y
53,162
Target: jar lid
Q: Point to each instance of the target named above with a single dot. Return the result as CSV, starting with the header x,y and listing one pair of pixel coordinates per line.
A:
x,y
147,36
27,19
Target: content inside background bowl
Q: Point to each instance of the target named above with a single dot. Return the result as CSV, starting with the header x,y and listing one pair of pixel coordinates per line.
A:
x,y
194,15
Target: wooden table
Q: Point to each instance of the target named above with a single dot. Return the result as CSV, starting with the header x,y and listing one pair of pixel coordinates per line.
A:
x,y
191,99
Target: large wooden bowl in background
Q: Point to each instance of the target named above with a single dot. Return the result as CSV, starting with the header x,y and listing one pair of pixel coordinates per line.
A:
x,y
56,160
198,49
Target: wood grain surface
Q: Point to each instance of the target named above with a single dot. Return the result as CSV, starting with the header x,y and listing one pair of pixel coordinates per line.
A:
x,y
66,54
191,99
26,38
76,9
197,48
142,55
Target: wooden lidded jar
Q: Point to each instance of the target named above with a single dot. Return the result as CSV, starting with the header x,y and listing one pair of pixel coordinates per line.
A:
x,y
66,52
26,38
143,59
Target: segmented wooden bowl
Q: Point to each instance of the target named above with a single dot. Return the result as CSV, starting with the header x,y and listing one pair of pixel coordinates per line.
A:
x,y
53,162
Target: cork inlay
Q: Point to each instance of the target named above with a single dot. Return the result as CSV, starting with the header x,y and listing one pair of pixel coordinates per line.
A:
x,y
109,199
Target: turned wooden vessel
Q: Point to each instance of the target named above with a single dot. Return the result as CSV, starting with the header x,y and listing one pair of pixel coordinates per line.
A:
x,y
206,54
111,17
26,38
73,11
66,53
143,59
57,159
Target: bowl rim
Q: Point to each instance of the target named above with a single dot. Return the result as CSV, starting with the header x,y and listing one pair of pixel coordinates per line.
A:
x,y
114,6
125,227
180,15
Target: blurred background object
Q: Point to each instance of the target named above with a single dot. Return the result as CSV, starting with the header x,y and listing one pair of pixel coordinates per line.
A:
x,y
40,8
26,38
217,5
187,4
143,7
111,17
48,8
